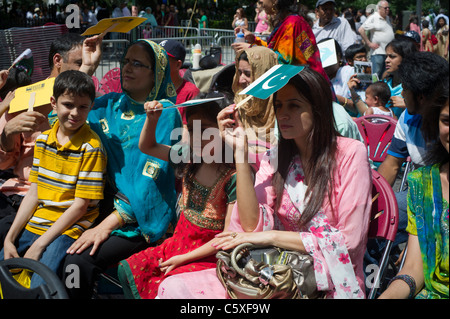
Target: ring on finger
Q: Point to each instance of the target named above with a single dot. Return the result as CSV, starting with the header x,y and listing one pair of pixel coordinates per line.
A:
x,y
233,235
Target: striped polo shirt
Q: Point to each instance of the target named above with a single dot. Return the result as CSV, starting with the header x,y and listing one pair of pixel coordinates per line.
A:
x,y
408,139
63,172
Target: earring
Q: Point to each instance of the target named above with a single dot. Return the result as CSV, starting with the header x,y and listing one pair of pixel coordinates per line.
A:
x,y
274,9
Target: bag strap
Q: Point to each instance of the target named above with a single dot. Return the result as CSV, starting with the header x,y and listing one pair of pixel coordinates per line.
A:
x,y
237,254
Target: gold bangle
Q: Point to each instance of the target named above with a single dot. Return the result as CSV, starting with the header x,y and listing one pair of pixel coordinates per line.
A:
x,y
345,102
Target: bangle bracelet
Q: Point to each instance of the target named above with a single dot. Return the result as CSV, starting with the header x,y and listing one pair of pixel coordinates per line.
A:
x,y
345,102
409,280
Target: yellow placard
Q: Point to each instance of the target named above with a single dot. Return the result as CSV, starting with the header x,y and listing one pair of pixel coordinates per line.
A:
x,y
42,90
122,24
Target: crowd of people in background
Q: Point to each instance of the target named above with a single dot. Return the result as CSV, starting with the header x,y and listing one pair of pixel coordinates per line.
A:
x,y
119,206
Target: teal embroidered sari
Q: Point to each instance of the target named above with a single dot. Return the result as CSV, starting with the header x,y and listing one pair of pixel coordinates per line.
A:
x,y
428,214
145,185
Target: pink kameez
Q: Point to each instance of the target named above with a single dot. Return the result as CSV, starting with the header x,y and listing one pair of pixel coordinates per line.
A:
x,y
335,239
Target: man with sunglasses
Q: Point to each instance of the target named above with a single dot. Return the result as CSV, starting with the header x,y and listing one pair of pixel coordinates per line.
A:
x,y
380,34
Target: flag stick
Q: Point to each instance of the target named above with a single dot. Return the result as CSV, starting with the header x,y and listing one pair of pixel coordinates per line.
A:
x,y
31,101
107,30
248,98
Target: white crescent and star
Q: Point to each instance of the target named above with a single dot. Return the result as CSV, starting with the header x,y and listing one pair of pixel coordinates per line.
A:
x,y
266,86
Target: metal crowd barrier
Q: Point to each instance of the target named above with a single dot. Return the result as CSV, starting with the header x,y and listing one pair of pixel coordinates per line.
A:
x,y
15,40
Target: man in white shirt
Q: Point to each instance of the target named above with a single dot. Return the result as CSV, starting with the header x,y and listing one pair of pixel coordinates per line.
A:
x,y
125,11
330,26
117,12
380,34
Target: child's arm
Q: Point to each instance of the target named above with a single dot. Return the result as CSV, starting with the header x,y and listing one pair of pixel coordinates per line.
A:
x,y
369,111
359,104
26,210
206,250
147,141
67,219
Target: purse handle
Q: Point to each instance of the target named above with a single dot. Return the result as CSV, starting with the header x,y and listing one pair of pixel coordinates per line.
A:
x,y
235,256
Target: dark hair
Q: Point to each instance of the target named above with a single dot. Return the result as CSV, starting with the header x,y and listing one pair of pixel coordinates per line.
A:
x,y
437,23
436,153
285,7
353,50
425,73
16,79
63,45
210,111
402,47
243,57
242,11
425,24
349,17
74,82
381,90
323,140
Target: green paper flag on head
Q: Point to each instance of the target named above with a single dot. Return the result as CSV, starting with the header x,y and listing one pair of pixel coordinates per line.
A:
x,y
272,81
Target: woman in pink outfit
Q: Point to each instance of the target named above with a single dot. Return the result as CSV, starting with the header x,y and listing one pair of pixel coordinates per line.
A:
x,y
311,194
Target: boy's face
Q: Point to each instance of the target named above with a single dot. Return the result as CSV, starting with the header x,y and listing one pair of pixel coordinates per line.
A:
x,y
72,111
361,56
371,101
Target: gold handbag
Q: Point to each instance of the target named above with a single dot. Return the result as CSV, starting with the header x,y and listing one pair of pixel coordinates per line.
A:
x,y
255,272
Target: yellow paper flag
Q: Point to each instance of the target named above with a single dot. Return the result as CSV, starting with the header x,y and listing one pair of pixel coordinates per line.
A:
x,y
42,92
122,24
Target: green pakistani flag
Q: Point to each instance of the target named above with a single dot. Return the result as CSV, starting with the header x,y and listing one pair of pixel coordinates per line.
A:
x,y
169,105
272,81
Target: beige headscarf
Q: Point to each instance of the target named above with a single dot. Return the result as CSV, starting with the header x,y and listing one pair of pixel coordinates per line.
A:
x,y
257,115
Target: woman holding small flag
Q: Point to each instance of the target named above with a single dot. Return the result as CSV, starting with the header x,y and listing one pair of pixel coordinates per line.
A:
x,y
303,197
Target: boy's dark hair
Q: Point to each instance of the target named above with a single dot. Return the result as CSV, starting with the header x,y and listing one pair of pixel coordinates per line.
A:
x,y
381,90
353,50
74,82
426,74
64,44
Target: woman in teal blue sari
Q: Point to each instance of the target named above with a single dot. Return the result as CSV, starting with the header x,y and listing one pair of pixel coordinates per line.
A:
x,y
144,187
426,269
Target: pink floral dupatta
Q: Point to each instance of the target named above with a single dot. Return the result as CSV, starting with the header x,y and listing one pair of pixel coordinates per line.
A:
x,y
330,241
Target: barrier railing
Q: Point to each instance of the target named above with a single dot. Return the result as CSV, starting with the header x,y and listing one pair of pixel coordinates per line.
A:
x,y
15,40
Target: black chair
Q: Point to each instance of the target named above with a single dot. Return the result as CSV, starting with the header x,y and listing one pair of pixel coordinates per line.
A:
x,y
53,288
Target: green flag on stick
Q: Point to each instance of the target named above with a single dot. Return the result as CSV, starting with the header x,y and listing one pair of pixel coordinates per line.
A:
x,y
272,81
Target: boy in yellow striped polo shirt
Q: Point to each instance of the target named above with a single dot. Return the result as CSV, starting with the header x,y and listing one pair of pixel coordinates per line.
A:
x,y
66,179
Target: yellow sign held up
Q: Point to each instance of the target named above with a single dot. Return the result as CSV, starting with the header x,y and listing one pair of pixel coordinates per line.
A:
x,y
42,92
122,24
